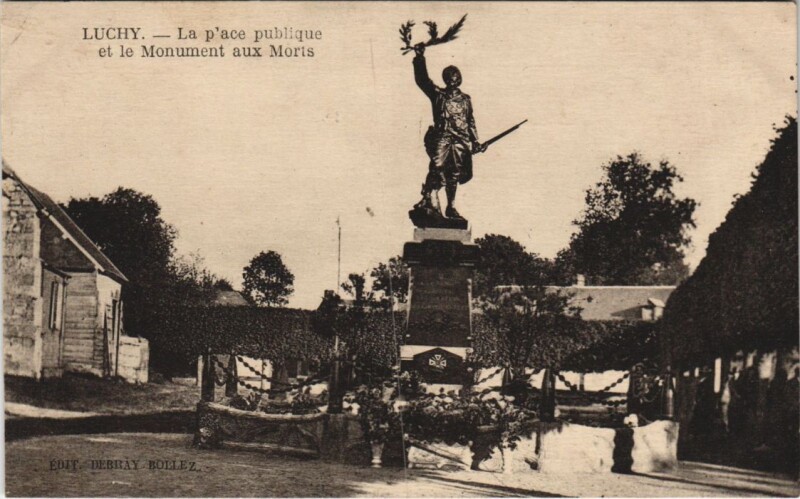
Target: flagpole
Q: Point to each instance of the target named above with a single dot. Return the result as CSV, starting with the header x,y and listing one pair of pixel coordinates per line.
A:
x,y
335,400
339,258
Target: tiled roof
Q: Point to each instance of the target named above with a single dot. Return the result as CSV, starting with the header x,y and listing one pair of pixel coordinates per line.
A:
x,y
229,298
610,303
44,203
615,302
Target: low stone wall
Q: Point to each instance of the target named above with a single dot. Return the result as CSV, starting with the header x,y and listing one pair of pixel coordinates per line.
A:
x,y
134,359
331,437
439,455
655,447
223,426
574,448
569,448
564,447
547,448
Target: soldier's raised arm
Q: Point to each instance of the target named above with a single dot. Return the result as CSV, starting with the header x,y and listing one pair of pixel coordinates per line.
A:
x,y
421,72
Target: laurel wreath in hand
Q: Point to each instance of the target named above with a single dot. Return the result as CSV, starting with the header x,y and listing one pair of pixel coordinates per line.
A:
x,y
433,31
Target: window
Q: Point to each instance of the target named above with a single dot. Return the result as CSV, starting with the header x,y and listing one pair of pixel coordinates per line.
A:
x,y
55,305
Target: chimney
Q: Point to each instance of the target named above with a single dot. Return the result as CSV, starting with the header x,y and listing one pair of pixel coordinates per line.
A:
x,y
580,280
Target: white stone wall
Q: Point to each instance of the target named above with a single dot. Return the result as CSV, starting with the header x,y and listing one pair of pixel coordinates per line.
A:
x,y
134,359
22,283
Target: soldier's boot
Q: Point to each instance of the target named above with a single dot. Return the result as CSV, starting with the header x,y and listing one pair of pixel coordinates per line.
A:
x,y
424,202
429,201
451,211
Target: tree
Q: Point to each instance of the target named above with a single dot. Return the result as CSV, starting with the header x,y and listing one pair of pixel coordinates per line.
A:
x,y
355,286
192,284
634,228
391,279
127,226
528,327
365,339
223,284
504,261
267,281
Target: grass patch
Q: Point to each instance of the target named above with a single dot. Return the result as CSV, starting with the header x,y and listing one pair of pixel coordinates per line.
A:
x,y
75,392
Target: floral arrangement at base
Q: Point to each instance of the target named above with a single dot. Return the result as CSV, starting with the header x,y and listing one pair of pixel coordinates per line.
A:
x,y
208,434
378,418
249,403
300,403
402,409
306,403
452,419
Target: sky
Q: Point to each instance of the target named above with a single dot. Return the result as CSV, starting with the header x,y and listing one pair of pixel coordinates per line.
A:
x,y
249,155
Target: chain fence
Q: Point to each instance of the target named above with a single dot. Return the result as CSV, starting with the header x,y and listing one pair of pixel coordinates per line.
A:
x,y
222,380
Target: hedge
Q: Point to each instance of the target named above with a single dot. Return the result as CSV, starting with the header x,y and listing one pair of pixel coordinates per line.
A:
x,y
744,293
370,339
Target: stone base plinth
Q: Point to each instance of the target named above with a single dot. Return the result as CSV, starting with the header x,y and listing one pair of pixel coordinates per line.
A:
x,y
464,236
441,266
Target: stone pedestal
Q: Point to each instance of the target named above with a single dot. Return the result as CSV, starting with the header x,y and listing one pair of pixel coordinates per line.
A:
x,y
441,266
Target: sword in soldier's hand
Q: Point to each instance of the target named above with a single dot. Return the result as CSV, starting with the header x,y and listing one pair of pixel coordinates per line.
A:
x,y
499,136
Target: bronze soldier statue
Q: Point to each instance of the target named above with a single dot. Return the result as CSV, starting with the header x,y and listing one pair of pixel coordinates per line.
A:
x,y
450,142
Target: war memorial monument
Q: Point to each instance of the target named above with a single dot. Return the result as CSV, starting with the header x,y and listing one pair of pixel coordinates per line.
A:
x,y
442,256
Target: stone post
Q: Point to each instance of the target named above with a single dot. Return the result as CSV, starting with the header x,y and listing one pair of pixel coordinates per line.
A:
x,y
547,406
231,385
668,403
335,392
207,379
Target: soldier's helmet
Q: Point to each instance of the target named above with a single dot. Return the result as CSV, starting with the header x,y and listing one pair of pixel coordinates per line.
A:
x,y
451,76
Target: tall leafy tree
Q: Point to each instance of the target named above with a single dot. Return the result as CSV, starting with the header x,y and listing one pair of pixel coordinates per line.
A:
x,y
634,228
128,227
504,261
192,283
267,280
356,286
391,278
528,327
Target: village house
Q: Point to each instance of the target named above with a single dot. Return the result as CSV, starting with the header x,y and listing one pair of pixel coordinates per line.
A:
x,y
62,305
